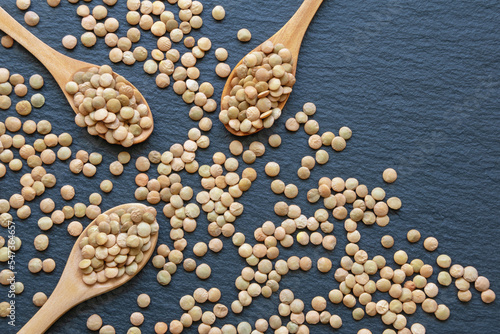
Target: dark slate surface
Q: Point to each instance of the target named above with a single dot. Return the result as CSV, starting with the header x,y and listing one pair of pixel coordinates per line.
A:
x,y
417,82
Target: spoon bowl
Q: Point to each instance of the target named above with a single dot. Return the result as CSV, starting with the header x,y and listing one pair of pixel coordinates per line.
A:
x,y
291,36
72,290
60,66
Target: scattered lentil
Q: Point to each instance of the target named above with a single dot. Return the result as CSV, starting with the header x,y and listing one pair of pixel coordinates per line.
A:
x,y
244,35
430,244
31,18
69,42
218,13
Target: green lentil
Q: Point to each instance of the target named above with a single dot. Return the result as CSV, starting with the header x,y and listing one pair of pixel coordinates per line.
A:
x,y
37,100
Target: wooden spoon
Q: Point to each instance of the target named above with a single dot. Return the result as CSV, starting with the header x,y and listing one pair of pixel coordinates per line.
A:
x,y
291,36
71,290
60,66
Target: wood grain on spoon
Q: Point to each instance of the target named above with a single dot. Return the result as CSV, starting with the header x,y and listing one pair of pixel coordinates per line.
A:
x,y
71,290
291,36
60,66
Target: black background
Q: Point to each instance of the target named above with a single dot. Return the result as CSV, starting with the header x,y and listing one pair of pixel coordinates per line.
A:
x,y
418,84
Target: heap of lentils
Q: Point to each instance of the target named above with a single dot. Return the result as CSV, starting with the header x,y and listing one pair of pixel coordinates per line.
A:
x,y
265,268
115,244
260,279
109,106
262,81
408,284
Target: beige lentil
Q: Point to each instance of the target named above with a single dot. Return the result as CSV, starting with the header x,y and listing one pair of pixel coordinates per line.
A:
x,y
39,299
7,41
244,35
431,244
31,18
94,322
338,144
413,236
390,175
75,228
488,296
218,13
223,70
272,169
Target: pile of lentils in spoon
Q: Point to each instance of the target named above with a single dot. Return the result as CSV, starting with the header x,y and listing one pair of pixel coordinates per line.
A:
x,y
263,80
108,105
114,245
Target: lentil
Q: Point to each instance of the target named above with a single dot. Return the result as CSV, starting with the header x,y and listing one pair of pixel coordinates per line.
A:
x,y
338,144
390,175
218,13
430,244
69,42
262,112
203,271
488,296
114,131
413,236
387,241
39,299
244,35
75,228
146,225
7,41
223,70
345,133
31,18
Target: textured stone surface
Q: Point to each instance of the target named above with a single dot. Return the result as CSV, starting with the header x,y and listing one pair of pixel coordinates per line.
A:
x,y
417,82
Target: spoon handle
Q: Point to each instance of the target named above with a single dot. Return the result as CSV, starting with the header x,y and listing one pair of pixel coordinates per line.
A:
x,y
63,298
293,32
60,66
